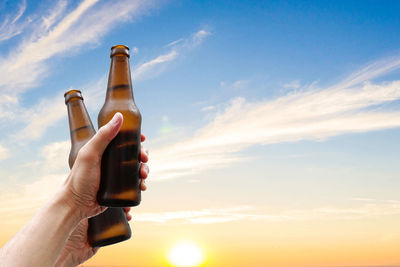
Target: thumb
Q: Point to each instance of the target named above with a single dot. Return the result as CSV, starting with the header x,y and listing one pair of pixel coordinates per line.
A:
x,y
106,134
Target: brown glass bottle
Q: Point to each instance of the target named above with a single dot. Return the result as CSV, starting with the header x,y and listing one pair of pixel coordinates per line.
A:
x,y
110,226
120,181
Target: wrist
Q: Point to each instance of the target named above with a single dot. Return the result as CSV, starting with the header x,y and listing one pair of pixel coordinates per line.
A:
x,y
67,199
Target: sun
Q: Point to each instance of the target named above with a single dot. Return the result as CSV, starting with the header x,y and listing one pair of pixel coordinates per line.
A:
x,y
185,254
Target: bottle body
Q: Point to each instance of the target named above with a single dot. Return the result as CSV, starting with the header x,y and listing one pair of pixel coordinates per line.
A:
x,y
120,164
108,228
111,226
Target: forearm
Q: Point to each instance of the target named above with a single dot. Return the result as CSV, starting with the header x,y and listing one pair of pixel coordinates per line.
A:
x,y
64,260
41,240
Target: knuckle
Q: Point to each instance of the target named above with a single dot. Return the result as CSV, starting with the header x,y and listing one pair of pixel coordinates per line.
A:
x,y
146,167
86,155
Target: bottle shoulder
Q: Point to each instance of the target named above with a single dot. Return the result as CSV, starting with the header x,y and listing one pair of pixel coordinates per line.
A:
x,y
119,106
129,111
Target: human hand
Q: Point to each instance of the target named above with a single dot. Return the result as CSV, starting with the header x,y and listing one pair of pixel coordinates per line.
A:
x,y
83,182
42,239
77,248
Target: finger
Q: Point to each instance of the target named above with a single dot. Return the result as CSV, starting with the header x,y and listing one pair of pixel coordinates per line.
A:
x,y
128,216
142,138
127,209
105,134
144,154
143,185
144,170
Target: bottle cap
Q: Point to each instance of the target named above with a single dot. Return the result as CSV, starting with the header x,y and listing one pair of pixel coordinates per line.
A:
x,y
119,50
69,95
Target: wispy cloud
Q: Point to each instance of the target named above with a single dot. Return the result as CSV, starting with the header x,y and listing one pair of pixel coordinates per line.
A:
x,y
368,208
95,91
239,84
54,15
50,110
144,69
20,203
208,108
308,114
47,172
11,25
4,152
55,156
58,32
207,216
40,117
374,208
292,85
371,71
154,66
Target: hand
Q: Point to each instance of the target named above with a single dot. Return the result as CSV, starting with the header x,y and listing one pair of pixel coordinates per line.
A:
x,y
47,234
77,249
83,182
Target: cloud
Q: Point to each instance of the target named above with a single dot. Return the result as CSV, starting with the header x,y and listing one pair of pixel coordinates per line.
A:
x,y
11,25
55,155
55,14
96,90
54,34
155,66
292,85
313,114
20,203
375,208
239,84
40,117
56,31
146,68
47,174
208,108
371,71
50,110
368,208
208,216
197,38
4,152
175,42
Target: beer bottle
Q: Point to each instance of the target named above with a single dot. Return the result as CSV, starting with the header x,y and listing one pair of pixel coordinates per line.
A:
x,y
120,182
110,226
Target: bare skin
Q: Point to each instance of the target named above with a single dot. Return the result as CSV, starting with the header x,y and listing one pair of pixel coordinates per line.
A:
x,y
77,249
56,235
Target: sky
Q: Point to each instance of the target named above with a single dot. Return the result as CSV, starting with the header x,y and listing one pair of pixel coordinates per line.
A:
x,y
272,126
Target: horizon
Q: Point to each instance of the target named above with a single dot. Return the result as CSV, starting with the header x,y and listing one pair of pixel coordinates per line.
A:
x,y
272,126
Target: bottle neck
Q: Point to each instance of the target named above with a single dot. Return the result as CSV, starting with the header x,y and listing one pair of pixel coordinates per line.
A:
x,y
80,125
119,79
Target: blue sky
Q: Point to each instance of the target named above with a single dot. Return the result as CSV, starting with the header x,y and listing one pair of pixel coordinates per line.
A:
x,y
290,105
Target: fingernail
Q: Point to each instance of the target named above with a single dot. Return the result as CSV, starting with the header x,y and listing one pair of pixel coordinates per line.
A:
x,y
115,119
147,151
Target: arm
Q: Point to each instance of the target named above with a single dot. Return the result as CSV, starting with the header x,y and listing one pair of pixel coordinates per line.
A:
x,y
41,240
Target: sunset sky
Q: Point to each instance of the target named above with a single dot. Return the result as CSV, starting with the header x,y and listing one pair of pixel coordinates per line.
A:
x,y
273,126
